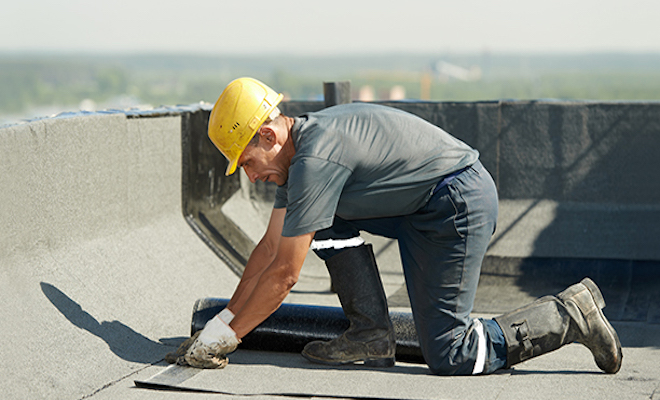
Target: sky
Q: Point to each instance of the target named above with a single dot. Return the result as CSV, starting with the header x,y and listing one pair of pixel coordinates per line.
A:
x,y
309,27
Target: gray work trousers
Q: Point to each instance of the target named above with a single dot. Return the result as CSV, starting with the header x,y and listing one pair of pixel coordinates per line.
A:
x,y
442,246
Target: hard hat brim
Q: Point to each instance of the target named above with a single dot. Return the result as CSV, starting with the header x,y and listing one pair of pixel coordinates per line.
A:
x,y
232,167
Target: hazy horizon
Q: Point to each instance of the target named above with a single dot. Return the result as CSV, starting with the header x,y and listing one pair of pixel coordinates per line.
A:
x,y
213,27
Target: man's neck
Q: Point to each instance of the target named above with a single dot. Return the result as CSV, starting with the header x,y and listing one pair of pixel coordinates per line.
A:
x,y
287,147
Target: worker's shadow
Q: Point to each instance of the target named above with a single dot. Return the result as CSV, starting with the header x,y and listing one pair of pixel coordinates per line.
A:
x,y
121,339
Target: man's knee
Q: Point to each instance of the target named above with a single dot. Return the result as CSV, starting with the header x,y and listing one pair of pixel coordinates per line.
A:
x,y
335,239
448,365
480,350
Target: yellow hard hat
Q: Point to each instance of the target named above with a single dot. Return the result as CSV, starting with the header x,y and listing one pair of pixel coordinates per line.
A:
x,y
240,110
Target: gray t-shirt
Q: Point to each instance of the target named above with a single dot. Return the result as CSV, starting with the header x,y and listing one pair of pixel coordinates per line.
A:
x,y
362,161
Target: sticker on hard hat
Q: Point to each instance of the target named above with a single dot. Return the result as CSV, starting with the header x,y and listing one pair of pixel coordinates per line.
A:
x,y
254,122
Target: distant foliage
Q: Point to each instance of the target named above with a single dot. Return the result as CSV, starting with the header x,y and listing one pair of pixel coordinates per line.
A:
x,y
27,83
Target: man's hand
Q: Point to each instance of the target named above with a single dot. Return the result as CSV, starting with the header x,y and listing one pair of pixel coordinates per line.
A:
x,y
178,357
208,348
214,342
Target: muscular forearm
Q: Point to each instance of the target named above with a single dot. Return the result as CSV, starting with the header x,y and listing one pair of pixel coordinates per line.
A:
x,y
274,284
261,257
268,294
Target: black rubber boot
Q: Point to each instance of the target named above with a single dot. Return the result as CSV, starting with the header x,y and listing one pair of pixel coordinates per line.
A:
x,y
574,315
370,336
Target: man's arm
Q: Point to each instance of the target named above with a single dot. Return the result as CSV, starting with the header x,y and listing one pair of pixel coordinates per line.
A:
x,y
260,258
274,284
259,294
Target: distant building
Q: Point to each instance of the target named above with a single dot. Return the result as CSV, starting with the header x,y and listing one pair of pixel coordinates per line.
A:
x,y
446,71
397,92
366,93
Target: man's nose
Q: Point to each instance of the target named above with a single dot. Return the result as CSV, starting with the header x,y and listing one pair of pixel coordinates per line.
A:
x,y
252,176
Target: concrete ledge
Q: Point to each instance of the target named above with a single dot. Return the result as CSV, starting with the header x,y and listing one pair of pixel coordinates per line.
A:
x,y
553,229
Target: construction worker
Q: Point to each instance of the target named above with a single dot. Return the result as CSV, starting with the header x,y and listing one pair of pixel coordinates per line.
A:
x,y
364,167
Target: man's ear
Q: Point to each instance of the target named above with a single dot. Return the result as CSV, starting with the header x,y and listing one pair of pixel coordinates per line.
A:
x,y
268,133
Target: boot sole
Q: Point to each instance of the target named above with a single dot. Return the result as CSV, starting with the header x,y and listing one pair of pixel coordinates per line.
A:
x,y
600,302
368,362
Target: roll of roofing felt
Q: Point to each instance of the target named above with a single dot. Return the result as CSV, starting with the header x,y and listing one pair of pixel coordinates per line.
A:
x,y
292,326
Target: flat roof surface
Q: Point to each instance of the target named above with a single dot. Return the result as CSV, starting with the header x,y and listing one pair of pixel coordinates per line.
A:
x,y
99,271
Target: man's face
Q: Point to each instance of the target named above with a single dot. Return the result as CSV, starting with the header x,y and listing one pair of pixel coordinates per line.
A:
x,y
264,162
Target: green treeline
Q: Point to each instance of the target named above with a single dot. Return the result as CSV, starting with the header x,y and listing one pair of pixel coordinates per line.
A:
x,y
31,81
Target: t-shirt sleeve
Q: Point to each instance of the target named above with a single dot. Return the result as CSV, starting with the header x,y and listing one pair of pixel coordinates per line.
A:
x,y
314,188
280,196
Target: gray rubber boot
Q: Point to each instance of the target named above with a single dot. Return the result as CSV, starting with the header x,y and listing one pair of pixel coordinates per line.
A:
x,y
574,315
370,336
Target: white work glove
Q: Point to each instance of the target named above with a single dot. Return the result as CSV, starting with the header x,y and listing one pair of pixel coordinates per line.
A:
x,y
226,315
214,342
179,357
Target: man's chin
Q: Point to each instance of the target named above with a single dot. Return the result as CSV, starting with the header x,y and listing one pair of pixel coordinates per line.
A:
x,y
281,182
